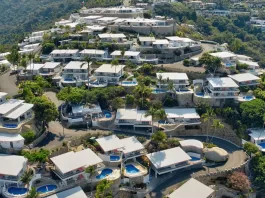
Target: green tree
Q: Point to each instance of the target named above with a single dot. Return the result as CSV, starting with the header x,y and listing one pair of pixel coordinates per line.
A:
x,y
250,148
29,136
171,88
130,99
14,56
88,60
159,136
104,189
47,48
141,92
212,63
207,117
217,125
117,103
33,193
26,177
91,171
37,155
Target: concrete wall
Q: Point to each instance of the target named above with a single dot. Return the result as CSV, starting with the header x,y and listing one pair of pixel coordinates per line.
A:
x,y
184,98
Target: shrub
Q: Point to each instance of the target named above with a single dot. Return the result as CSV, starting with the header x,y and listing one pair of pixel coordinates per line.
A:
x,y
250,148
36,156
29,136
238,181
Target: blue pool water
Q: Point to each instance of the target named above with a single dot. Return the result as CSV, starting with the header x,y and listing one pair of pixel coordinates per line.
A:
x,y
162,121
46,188
157,91
262,145
104,173
107,114
248,97
68,79
128,83
11,126
115,158
17,191
194,159
130,168
228,64
200,94
182,90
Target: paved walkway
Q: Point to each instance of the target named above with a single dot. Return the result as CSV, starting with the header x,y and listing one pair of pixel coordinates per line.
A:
x,y
8,84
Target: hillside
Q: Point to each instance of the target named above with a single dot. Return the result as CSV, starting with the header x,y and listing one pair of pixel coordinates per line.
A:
x,y
23,16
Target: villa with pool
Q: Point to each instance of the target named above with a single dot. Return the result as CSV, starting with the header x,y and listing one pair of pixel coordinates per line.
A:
x,y
257,136
170,160
70,167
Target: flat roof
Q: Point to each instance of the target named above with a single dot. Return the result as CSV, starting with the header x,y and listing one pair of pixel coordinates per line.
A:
x,y
110,143
181,113
2,94
76,65
126,114
172,76
127,53
192,188
57,51
250,63
11,164
51,65
75,192
191,142
111,36
222,82
160,42
9,105
34,66
92,17
131,145
257,133
92,51
141,116
168,157
223,54
7,137
95,27
71,161
150,39
244,77
176,38
107,19
23,108
108,68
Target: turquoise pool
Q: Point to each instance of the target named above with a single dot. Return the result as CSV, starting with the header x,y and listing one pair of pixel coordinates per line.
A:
x,y
115,158
158,91
17,191
104,173
46,188
131,169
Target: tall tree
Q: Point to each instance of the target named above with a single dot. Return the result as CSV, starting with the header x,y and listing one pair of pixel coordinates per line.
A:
x,y
217,125
26,177
104,189
207,117
88,60
33,193
91,171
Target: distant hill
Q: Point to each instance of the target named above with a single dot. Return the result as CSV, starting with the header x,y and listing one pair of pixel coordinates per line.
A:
x,y
18,17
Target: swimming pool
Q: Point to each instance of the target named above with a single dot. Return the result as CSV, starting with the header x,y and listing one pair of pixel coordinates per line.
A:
x,y
46,188
131,169
11,126
194,159
107,114
68,79
104,173
184,90
115,158
248,97
17,191
158,91
129,83
262,145
200,94
162,122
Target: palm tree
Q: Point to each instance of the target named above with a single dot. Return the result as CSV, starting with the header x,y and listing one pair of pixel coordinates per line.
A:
x,y
171,87
31,57
141,90
103,189
207,117
91,171
217,125
115,63
27,176
151,112
161,115
88,60
160,80
33,193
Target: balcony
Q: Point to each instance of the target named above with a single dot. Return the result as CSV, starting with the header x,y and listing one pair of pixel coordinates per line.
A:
x,y
249,83
107,74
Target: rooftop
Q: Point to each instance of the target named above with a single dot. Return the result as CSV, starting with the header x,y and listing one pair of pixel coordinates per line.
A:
x,y
34,66
127,53
68,51
168,157
192,188
23,108
250,63
92,17
75,192
7,137
11,164
223,54
131,145
107,19
10,105
181,113
92,51
111,36
160,42
110,143
71,161
257,134
182,39
222,82
244,77
2,94
172,76
76,65
150,39
108,68
51,65
132,114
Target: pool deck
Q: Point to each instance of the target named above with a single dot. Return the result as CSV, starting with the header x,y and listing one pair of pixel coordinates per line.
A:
x,y
142,170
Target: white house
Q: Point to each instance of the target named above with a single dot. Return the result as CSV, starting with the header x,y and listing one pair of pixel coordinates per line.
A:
x,y
176,41
34,68
64,55
160,43
12,168
106,20
31,46
146,41
192,188
169,160
70,167
180,80
251,64
14,112
75,192
245,79
90,19
50,69
2,97
133,119
11,141
93,54
120,38
109,73
75,73
185,116
128,55
228,59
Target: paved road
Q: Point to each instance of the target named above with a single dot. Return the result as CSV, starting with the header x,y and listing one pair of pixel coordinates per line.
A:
x,y
7,84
